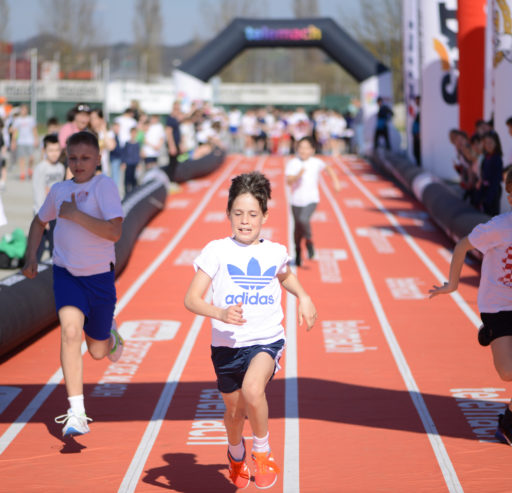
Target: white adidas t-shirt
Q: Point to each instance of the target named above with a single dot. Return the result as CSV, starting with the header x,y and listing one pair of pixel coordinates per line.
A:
x,y
75,248
305,190
246,273
494,240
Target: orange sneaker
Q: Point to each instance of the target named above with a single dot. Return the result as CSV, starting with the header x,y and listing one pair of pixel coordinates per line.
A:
x,y
266,470
239,472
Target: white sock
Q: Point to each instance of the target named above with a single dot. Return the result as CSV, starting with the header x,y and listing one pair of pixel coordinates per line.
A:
x,y
76,402
260,444
237,451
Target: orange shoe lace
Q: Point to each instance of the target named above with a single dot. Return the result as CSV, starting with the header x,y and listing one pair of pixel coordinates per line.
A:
x,y
237,470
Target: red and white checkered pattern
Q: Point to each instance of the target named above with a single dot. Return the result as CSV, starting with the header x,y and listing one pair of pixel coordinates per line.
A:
x,y
507,268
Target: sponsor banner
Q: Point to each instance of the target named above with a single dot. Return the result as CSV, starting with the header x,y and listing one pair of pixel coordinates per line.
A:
x,y
439,81
153,98
63,90
269,94
411,66
502,15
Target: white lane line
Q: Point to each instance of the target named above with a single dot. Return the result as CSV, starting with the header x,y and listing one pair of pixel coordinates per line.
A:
x,y
291,403
459,300
450,476
10,434
131,478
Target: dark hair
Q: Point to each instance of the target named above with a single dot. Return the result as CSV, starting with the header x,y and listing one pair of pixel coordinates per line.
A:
x,y
307,139
497,144
50,139
255,183
82,108
98,111
84,137
52,121
509,121
475,138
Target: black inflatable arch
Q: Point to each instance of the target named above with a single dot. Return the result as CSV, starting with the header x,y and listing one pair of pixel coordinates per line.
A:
x,y
321,33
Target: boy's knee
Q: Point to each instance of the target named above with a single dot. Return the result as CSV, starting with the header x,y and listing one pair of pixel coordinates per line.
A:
x,y
71,333
252,392
505,373
97,353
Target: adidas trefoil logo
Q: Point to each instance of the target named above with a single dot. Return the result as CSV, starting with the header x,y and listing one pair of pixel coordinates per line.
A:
x,y
253,280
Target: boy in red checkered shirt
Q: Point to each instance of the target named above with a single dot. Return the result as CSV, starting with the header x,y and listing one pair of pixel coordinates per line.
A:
x,y
494,240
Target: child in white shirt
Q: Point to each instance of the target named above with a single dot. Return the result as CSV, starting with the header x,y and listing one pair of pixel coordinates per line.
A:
x,y
247,336
494,240
89,221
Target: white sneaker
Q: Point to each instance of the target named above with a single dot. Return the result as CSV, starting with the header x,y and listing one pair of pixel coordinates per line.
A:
x,y
117,348
73,424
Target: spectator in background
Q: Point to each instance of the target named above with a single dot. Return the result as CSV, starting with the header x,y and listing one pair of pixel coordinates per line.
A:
x,y
234,120
173,135
99,128
384,114
3,157
126,122
48,172
52,126
131,158
357,123
154,139
508,162
25,140
80,117
249,131
115,153
416,143
492,175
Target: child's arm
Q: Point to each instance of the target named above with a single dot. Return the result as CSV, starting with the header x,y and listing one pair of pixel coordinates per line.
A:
x,y
292,179
459,254
34,239
334,177
307,310
108,229
196,304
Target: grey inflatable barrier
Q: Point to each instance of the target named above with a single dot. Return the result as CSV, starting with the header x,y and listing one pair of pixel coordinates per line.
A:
x,y
452,214
188,170
27,306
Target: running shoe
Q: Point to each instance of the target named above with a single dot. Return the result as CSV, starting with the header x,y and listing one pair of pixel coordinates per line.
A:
x,y
73,424
504,430
311,249
484,335
266,470
117,348
238,471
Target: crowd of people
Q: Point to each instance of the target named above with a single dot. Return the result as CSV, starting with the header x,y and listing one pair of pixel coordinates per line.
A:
x,y
479,162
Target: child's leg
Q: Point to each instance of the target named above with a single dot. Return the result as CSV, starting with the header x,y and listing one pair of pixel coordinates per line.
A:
x,y
71,322
502,356
256,378
234,416
98,349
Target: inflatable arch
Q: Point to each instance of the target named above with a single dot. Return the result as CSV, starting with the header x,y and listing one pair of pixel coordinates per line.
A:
x,y
323,33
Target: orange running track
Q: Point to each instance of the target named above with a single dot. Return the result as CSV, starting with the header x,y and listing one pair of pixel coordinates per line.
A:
x,y
390,392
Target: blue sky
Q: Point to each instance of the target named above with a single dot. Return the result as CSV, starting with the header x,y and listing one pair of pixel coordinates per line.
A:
x,y
182,18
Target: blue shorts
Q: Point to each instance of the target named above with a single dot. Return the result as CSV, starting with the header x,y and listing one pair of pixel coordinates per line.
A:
x,y
94,296
231,364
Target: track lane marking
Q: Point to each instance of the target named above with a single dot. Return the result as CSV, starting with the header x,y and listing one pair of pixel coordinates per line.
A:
x,y
457,297
450,476
15,428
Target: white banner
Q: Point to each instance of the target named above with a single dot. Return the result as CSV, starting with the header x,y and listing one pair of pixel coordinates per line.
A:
x,y
152,98
411,66
439,80
269,94
503,74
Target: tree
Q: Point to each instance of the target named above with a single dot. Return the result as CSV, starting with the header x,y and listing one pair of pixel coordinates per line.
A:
x,y
147,24
74,28
379,29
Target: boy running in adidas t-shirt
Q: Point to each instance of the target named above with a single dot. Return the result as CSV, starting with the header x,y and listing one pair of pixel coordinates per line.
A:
x,y
247,336
89,221
494,240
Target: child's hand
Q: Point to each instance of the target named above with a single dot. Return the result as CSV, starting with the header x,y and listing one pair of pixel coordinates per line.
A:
x,y
307,312
233,315
67,209
444,289
30,269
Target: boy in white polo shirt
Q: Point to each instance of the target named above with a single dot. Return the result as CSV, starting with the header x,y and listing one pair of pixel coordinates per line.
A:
x,y
247,336
89,221
494,240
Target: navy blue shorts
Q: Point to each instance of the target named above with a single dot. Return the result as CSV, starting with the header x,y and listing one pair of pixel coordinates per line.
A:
x,y
231,364
94,296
